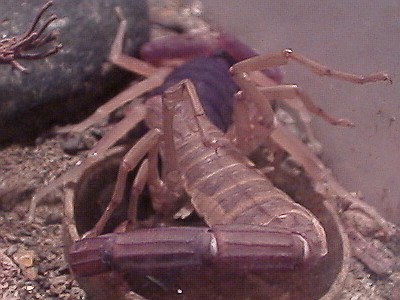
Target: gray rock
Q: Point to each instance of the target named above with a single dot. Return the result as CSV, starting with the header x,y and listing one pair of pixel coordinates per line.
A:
x,y
66,86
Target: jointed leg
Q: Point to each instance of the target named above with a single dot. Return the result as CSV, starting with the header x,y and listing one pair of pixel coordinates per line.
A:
x,y
124,61
321,176
129,94
262,62
129,162
156,77
133,117
296,98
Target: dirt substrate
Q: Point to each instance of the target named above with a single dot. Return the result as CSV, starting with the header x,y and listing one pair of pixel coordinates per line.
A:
x,y
31,255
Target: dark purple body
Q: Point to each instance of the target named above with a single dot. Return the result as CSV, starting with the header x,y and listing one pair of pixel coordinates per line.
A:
x,y
213,83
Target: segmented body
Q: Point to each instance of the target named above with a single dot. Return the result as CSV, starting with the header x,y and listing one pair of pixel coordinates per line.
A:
x,y
224,186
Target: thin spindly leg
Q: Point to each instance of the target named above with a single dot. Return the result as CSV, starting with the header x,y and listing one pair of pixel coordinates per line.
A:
x,y
266,61
137,188
297,99
242,73
325,184
132,118
155,78
321,176
129,162
129,94
124,61
242,136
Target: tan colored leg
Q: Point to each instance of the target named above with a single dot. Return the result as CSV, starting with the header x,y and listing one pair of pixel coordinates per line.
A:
x,y
242,71
262,62
129,162
296,98
295,95
129,94
347,203
137,188
124,61
243,135
156,77
132,118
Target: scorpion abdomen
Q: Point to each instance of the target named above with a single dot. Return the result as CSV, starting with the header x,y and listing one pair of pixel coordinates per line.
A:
x,y
226,188
214,86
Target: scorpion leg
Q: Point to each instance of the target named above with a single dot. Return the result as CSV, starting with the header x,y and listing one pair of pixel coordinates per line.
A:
x,y
137,188
133,117
323,180
299,99
122,60
134,91
326,185
266,61
129,162
296,98
155,77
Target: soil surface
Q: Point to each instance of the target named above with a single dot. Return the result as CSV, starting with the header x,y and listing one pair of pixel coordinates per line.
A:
x,y
31,255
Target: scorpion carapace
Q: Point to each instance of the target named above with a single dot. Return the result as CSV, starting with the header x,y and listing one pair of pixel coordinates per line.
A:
x,y
252,224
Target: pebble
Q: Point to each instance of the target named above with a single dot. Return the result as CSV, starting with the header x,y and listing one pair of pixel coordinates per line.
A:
x,y
53,218
24,258
62,87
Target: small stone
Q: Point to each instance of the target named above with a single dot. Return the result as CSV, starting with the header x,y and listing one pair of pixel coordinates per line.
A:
x,y
24,258
53,218
29,288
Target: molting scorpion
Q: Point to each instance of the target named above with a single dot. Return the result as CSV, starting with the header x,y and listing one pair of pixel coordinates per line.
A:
x,y
204,117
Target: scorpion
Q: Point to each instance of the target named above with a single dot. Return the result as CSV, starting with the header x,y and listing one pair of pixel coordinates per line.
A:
x,y
14,48
204,117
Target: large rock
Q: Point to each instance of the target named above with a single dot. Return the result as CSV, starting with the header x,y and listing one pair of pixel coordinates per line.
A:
x,y
64,86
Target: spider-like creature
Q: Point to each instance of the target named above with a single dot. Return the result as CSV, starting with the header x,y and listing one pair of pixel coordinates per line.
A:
x,y
16,47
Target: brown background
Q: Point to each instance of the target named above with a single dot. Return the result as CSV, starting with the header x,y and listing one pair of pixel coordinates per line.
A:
x,y
356,36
